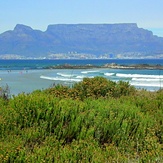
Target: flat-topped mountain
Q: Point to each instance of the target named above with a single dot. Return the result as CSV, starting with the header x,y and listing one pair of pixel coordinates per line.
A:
x,y
80,38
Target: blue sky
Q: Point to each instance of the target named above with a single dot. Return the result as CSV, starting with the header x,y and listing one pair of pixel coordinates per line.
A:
x,y
39,14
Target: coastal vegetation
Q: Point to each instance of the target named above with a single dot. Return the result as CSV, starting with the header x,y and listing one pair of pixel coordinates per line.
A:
x,y
96,120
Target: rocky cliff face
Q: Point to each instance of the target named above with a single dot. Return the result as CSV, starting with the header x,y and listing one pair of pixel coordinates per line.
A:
x,y
82,38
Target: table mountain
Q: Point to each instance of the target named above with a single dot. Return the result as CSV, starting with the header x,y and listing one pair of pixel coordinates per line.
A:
x,y
81,38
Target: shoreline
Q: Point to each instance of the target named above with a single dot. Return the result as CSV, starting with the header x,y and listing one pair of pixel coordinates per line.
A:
x,y
110,66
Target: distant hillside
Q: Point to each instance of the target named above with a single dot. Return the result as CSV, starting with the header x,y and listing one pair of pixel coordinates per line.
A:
x,y
81,38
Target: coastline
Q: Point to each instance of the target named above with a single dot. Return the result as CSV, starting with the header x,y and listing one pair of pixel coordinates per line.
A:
x,y
110,66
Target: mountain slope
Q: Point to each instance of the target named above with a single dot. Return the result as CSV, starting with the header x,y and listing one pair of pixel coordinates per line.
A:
x,y
81,38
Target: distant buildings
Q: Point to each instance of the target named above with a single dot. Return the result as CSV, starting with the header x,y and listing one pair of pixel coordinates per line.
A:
x,y
72,55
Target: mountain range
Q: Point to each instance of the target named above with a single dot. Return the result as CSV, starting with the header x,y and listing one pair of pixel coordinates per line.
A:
x,y
94,39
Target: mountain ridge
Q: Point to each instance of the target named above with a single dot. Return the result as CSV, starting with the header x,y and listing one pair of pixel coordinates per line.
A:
x,y
94,39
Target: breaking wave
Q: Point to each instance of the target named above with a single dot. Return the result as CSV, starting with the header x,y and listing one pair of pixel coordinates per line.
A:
x,y
147,84
87,72
147,79
109,74
60,79
139,76
65,75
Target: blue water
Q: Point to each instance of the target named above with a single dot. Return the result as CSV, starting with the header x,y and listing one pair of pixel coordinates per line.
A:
x,y
39,64
28,75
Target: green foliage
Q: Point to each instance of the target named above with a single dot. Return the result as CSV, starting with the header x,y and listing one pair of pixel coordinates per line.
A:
x,y
123,89
94,121
92,88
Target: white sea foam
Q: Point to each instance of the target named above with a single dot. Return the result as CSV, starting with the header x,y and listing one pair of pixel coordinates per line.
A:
x,y
65,75
87,72
108,74
154,84
60,79
80,76
147,79
90,76
139,76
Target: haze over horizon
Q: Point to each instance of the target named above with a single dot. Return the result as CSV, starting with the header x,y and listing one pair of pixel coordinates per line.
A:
x,y
39,14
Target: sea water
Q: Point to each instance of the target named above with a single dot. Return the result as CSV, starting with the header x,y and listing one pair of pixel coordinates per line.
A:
x,y
29,75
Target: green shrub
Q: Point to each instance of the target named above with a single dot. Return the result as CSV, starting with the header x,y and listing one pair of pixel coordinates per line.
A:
x,y
94,87
123,89
94,121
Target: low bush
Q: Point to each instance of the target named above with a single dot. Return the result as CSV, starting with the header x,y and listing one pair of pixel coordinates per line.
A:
x,y
94,121
93,88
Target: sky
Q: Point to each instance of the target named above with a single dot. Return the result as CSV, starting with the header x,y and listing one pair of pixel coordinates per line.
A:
x,y
38,14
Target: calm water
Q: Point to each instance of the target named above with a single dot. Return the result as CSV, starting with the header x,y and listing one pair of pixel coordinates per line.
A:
x,y
39,64
29,75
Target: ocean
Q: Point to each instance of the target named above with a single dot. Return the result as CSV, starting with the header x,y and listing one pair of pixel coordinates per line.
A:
x,y
29,75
